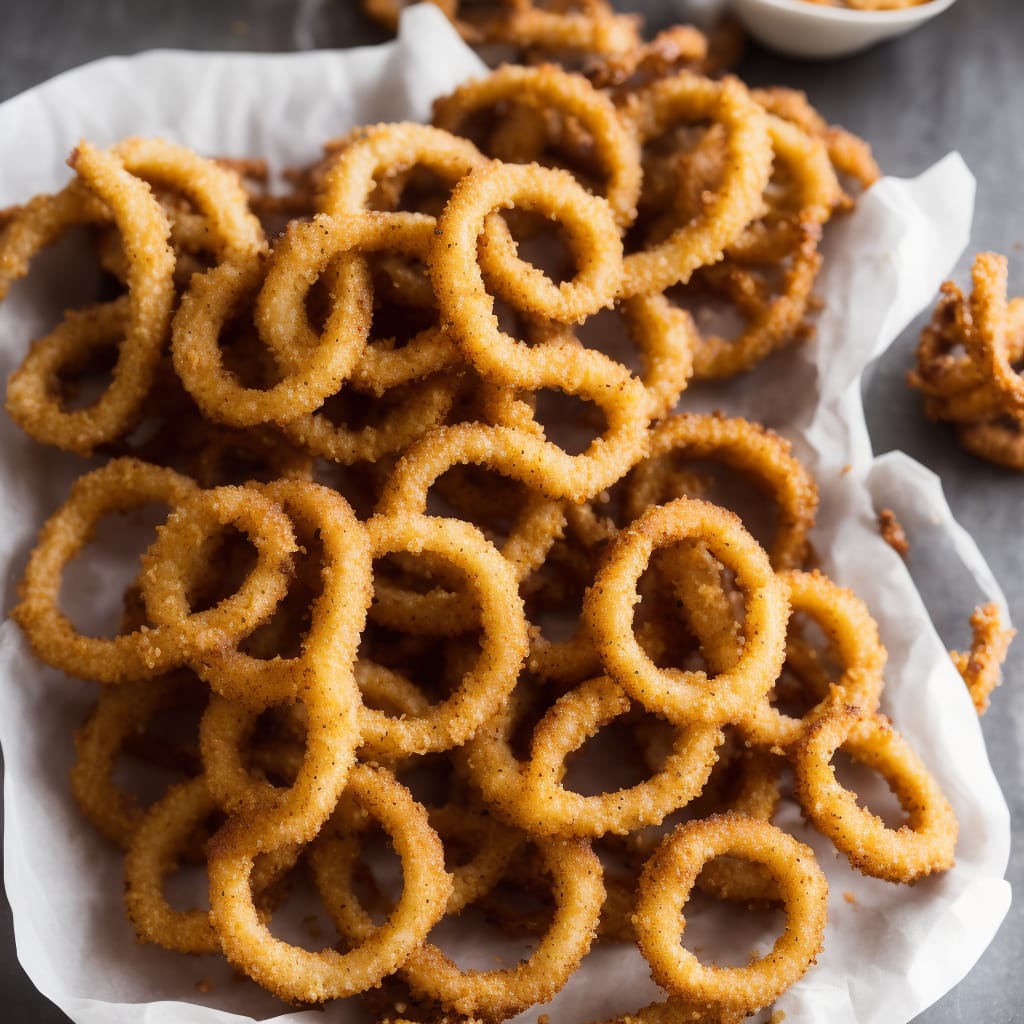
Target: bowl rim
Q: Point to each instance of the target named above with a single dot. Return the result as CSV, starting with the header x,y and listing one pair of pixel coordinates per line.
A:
x,y
851,16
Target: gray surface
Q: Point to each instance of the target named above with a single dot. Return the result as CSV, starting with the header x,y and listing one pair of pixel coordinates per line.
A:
x,y
956,84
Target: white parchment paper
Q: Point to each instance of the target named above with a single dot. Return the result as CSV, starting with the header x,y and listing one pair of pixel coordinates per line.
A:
x,y
890,951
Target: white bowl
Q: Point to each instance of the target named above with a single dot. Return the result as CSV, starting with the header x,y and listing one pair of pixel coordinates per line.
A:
x,y
801,29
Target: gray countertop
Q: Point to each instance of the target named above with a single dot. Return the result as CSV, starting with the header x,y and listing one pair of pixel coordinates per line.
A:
x,y
958,83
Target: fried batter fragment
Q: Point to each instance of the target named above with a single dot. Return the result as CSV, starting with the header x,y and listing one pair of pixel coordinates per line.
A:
x,y
981,666
892,532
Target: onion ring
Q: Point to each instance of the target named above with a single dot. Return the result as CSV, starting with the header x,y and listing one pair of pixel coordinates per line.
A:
x,y
705,240
544,806
504,645
548,89
153,854
142,654
120,712
747,447
688,696
453,257
922,846
258,683
271,822
179,551
578,891
665,886
144,229
297,974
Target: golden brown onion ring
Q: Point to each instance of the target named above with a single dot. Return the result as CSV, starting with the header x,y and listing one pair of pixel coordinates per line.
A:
x,y
144,231
922,846
748,167
682,696
666,884
548,89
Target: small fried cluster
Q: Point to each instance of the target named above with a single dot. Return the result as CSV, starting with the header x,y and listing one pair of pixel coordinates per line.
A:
x,y
967,365
588,35
512,587
532,29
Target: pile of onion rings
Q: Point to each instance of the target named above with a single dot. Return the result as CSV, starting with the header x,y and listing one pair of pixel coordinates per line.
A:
x,y
967,365
392,593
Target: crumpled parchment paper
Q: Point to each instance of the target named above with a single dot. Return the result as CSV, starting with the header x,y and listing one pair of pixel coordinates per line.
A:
x,y
890,951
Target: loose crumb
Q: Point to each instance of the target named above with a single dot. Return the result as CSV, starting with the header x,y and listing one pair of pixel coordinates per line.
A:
x,y
847,469
892,532
777,1017
850,898
543,1019
204,986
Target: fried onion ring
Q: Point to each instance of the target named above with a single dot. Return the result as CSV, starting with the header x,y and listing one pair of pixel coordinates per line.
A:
x,y
666,884
688,696
922,846
145,232
704,241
